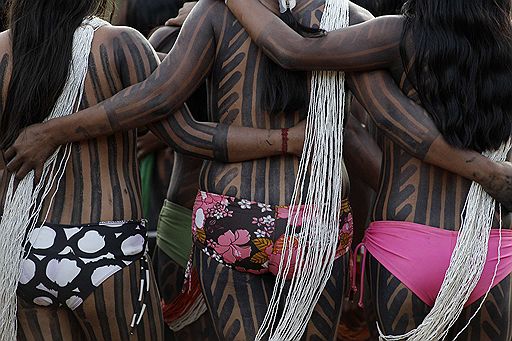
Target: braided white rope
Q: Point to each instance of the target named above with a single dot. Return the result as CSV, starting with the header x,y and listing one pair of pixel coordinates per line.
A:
x,y
466,264
319,179
23,206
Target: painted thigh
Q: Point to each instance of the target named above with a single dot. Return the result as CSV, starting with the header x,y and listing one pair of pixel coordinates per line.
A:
x,y
170,280
107,313
238,301
38,323
493,322
398,309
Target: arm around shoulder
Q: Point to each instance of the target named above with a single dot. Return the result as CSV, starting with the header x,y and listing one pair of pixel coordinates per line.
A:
x,y
370,45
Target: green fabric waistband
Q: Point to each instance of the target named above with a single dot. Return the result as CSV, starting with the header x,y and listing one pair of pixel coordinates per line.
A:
x,y
146,172
174,232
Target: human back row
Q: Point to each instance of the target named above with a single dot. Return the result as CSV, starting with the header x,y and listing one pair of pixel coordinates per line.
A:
x,y
235,85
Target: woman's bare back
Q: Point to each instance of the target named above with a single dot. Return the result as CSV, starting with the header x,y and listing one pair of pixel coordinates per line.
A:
x,y
101,182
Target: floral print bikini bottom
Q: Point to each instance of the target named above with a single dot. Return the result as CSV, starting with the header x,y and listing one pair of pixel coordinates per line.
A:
x,y
248,236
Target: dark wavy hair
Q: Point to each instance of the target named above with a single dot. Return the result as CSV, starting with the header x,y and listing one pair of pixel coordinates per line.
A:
x,y
42,38
285,90
381,7
463,67
3,21
145,15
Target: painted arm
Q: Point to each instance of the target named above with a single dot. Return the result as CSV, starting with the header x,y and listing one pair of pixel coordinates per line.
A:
x,y
361,153
367,45
224,143
370,45
408,124
151,101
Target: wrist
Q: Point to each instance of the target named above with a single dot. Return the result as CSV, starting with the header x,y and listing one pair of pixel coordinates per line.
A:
x,y
483,169
273,141
284,141
57,134
51,137
468,164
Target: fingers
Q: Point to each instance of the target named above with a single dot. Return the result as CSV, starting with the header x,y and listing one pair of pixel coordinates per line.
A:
x,y
172,22
9,154
23,171
14,165
19,168
182,14
38,174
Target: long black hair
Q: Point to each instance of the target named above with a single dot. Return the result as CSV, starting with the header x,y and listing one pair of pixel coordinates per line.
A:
x,y
3,21
381,7
463,67
284,90
145,15
42,38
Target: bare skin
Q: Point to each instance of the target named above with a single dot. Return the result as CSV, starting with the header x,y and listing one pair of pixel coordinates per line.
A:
x,y
101,183
182,14
410,189
184,182
111,162
369,46
220,50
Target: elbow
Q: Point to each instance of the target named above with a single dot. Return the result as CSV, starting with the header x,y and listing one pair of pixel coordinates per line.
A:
x,y
286,60
286,55
290,62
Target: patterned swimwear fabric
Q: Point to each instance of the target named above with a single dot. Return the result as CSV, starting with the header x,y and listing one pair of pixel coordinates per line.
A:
x,y
67,263
248,236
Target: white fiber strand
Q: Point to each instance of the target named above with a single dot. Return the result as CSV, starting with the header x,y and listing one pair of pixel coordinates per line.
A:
x,y
285,5
319,188
466,264
192,315
24,202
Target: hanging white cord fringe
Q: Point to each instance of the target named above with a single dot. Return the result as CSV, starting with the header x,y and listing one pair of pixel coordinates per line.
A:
x,y
285,5
466,264
319,178
23,206
193,314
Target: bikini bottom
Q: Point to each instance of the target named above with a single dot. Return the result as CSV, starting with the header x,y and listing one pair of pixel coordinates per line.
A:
x,y
173,232
248,236
66,263
419,255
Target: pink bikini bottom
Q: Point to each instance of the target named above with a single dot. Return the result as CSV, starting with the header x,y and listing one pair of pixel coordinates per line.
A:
x,y
419,255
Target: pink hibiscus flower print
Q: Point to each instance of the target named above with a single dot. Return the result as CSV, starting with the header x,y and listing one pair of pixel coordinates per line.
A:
x,y
284,213
231,245
348,224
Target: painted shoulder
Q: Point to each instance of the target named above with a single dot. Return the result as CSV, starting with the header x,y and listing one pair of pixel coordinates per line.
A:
x,y
107,34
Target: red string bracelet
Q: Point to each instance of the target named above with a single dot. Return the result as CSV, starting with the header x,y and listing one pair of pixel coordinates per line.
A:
x,y
284,144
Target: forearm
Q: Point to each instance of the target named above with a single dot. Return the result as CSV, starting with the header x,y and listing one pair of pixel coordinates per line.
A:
x,y
361,153
394,114
409,125
216,140
134,107
373,45
149,100
466,163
